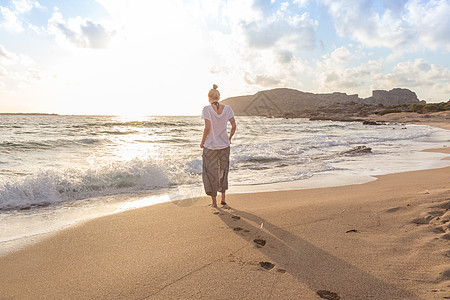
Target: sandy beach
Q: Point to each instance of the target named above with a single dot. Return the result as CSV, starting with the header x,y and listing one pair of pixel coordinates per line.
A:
x,y
387,239
439,119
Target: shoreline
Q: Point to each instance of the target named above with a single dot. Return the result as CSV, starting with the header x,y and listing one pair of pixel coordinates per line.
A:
x,y
125,202
66,217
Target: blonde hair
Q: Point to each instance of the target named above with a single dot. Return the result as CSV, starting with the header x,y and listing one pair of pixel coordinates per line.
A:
x,y
214,93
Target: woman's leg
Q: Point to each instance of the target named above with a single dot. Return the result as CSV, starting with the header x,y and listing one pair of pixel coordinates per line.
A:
x,y
214,201
223,201
224,163
210,174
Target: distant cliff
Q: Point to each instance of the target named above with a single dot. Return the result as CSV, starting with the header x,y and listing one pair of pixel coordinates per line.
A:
x,y
393,97
285,102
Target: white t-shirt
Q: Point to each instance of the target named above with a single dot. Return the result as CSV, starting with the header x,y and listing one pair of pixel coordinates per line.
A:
x,y
218,135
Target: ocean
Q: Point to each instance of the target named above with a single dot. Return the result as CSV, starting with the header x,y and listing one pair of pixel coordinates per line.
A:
x,y
56,171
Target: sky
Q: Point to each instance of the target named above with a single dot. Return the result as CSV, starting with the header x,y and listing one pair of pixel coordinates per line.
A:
x,y
140,57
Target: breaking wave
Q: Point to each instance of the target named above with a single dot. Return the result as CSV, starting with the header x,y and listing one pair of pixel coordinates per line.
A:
x,y
56,186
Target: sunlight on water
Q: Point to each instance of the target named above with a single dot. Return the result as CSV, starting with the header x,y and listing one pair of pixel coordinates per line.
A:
x,y
144,202
131,117
133,146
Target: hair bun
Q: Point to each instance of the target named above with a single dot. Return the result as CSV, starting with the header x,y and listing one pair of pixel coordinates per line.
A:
x,y
215,86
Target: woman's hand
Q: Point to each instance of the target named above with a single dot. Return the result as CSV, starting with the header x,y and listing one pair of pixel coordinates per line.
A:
x,y
233,128
205,131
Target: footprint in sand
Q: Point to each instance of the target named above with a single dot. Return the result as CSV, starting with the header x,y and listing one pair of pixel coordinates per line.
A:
x,y
328,295
445,275
439,230
422,220
240,229
392,210
266,265
259,242
443,205
446,236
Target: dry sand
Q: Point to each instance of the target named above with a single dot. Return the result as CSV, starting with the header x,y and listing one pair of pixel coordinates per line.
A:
x,y
439,119
387,239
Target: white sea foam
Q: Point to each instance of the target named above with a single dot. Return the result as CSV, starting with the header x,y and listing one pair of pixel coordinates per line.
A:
x,y
55,186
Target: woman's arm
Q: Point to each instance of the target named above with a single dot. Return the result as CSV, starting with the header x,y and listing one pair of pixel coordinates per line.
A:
x,y
233,128
205,131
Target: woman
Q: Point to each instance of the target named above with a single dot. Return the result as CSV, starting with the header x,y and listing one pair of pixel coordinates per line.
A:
x,y
216,146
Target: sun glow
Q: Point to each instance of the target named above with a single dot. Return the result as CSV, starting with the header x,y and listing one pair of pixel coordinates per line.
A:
x,y
153,66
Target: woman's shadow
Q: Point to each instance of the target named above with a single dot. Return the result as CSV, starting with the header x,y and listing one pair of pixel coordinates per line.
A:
x,y
328,275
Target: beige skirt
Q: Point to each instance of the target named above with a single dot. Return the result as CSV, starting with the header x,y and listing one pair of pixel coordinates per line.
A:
x,y
215,170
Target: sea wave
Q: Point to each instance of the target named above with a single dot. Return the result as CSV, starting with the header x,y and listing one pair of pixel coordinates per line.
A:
x,y
51,186
48,144
142,124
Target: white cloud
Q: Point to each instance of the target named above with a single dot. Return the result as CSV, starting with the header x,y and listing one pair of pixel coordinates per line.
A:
x,y
341,55
284,56
301,3
405,26
415,74
12,15
431,82
431,22
17,70
24,6
293,32
350,80
3,72
81,32
29,75
10,20
261,80
7,57
214,70
258,44
334,72
358,20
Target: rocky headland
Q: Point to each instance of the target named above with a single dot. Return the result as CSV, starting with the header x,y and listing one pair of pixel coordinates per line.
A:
x,y
290,103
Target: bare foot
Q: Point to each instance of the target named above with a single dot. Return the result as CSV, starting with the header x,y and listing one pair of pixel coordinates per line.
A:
x,y
223,202
214,201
